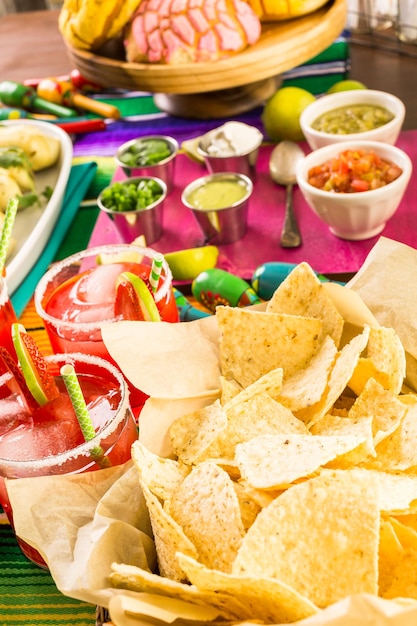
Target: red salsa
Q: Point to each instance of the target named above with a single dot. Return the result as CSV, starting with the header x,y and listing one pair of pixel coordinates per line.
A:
x,y
352,171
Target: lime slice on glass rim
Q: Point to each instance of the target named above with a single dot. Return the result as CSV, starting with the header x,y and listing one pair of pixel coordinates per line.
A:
x,y
16,383
134,300
39,381
128,256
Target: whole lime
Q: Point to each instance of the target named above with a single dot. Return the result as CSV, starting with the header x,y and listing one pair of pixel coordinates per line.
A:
x,y
346,85
281,113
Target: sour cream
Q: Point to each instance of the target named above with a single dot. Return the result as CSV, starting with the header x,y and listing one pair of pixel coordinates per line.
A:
x,y
231,139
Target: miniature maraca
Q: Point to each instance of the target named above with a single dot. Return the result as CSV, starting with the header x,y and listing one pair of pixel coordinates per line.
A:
x,y
215,287
17,95
63,92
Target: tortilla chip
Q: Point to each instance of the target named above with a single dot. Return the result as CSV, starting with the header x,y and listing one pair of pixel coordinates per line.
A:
x,y
207,508
408,520
169,538
229,389
307,386
334,425
319,537
407,536
389,555
302,293
268,600
398,492
138,580
249,508
195,437
404,582
384,361
398,451
162,476
386,409
260,415
270,384
260,496
276,461
340,375
253,343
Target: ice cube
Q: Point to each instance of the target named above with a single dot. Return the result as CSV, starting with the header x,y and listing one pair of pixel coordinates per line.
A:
x,y
97,286
15,431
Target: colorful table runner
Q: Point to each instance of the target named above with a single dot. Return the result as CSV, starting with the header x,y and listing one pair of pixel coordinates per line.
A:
x,y
28,595
325,252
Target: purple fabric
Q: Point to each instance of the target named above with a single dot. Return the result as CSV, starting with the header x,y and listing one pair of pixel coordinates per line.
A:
x,y
325,252
106,143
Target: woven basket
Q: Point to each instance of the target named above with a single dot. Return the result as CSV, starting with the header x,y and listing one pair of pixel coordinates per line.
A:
x,y
281,47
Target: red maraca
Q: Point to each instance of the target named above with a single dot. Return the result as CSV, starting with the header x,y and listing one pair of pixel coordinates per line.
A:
x,y
83,84
62,92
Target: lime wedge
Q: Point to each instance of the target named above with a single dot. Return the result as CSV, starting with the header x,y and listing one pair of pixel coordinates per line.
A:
x,y
134,300
34,369
128,256
189,263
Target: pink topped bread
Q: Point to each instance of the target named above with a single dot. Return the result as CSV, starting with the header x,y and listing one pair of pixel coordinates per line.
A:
x,y
190,31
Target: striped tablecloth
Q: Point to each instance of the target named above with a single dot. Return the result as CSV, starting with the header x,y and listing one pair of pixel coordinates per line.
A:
x,y
28,595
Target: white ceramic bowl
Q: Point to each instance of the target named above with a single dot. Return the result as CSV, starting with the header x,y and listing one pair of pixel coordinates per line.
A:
x,y
387,133
358,215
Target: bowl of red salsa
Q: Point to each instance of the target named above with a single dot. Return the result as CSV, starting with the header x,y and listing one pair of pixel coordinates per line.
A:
x,y
355,187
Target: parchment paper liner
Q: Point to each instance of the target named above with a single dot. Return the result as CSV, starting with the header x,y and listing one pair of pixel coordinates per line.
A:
x,y
83,523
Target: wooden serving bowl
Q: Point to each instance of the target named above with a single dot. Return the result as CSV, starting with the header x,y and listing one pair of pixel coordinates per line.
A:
x,y
281,47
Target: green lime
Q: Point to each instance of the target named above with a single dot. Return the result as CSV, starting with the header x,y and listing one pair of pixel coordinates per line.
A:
x,y
346,85
189,263
128,256
281,114
134,300
34,369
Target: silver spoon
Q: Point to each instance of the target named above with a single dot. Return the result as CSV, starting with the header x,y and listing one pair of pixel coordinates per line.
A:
x,y
282,165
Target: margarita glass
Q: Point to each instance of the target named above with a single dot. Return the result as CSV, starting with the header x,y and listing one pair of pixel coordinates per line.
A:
x,y
47,440
7,318
78,294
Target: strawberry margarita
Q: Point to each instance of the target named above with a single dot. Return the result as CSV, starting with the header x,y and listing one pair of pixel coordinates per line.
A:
x,y
43,440
7,317
78,294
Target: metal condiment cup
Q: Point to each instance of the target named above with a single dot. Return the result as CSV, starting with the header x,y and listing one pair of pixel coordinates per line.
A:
x,y
147,221
164,169
221,225
236,155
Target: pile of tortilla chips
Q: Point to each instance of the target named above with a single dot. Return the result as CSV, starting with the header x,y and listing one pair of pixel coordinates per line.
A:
x,y
297,487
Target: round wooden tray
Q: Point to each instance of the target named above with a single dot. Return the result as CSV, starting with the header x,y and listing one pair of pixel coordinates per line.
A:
x,y
282,46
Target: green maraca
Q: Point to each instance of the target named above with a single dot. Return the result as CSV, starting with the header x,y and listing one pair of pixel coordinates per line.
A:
x,y
18,95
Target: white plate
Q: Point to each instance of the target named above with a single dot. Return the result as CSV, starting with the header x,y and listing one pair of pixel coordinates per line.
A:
x,y
34,225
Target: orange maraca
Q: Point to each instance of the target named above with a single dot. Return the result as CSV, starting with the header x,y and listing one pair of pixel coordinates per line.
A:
x,y
63,92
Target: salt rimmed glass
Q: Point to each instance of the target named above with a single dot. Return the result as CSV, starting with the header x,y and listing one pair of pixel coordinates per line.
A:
x,y
7,317
115,437
69,336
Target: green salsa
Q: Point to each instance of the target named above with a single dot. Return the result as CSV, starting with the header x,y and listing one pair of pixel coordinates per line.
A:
x,y
145,152
217,194
354,118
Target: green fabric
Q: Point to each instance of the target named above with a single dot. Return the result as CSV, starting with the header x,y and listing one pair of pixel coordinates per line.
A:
x,y
337,51
79,232
133,106
28,595
310,82
79,181
106,168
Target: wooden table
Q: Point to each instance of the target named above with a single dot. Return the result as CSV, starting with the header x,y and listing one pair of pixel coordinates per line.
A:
x,y
31,46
